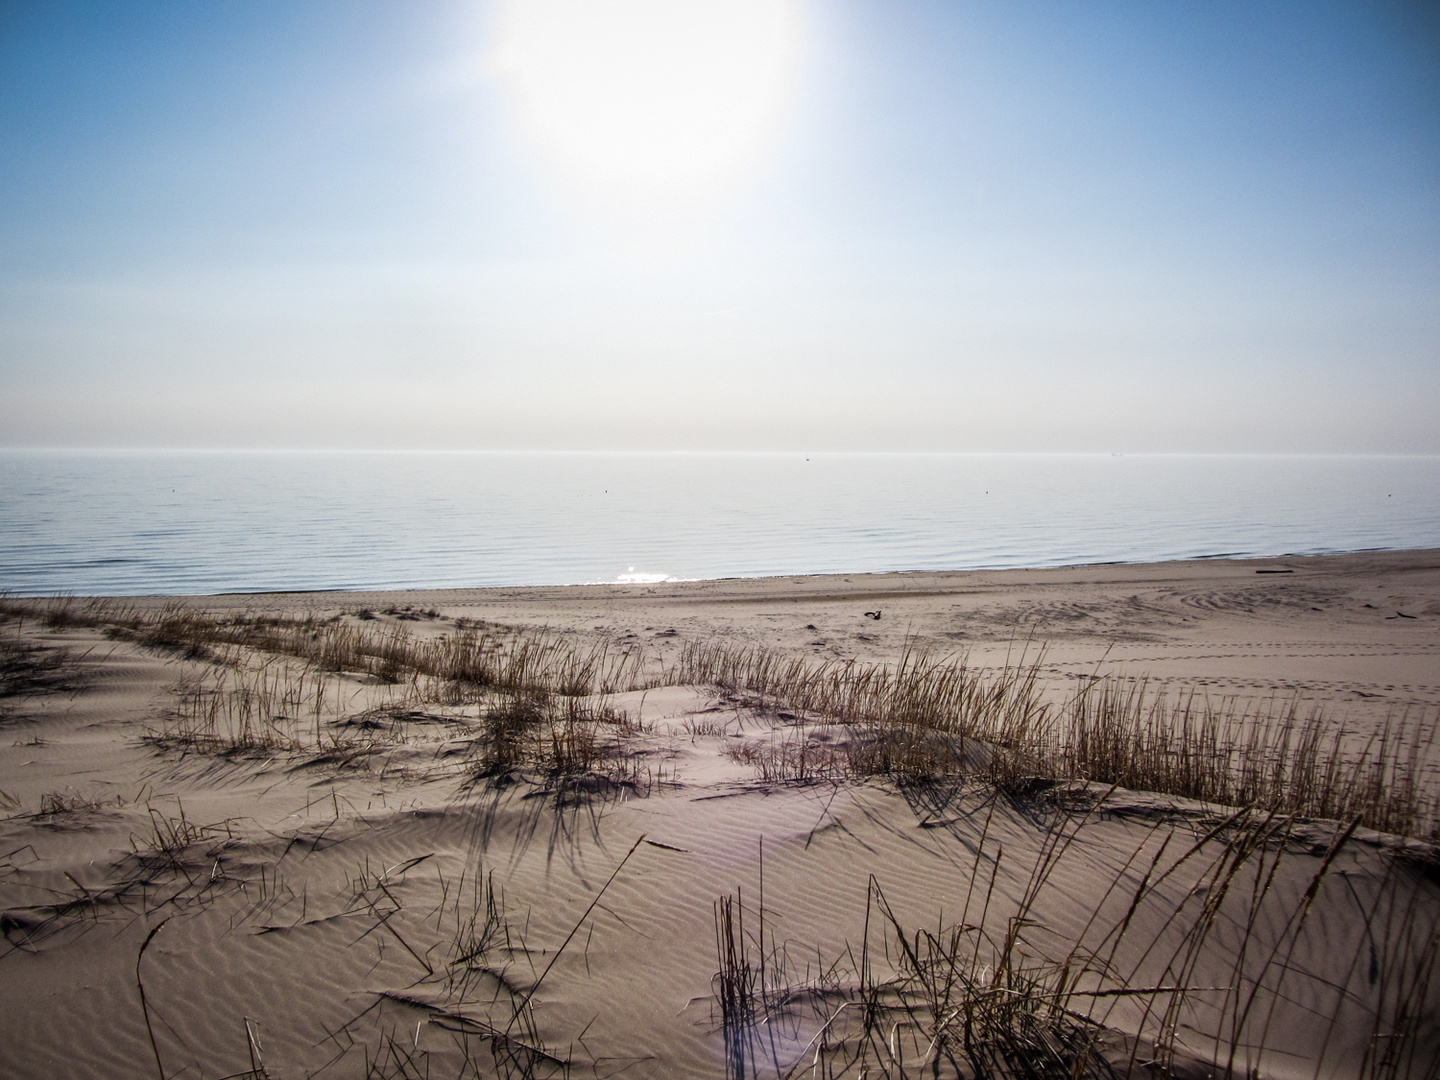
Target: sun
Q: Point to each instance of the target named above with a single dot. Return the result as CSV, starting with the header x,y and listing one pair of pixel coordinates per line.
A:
x,y
649,97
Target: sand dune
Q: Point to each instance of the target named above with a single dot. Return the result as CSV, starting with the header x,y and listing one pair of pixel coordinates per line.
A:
x,y
357,891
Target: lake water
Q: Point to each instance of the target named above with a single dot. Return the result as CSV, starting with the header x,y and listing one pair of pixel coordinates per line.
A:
x,y
167,522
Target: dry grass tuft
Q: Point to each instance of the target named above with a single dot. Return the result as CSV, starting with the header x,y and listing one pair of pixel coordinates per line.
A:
x,y
65,612
491,658
790,755
920,719
555,736
542,697
27,670
1274,756
62,803
915,692
169,839
915,719
998,993
234,711
280,707
481,929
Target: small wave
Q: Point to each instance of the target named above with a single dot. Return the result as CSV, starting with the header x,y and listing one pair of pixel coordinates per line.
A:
x,y
642,577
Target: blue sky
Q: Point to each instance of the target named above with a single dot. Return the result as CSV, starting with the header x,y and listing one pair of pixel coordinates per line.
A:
x,y
1115,226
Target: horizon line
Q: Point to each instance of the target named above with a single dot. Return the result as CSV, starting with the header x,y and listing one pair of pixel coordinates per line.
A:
x,y
712,452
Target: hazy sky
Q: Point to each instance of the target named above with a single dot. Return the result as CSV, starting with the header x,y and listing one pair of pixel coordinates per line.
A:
x,y
748,224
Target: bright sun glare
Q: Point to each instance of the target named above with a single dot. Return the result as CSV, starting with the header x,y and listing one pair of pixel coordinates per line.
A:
x,y
650,98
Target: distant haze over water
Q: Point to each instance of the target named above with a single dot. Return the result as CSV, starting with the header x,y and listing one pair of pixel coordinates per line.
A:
x,y
171,522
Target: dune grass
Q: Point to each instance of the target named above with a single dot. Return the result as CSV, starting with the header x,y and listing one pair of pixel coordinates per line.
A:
x,y
923,718
919,717
992,992
541,695
27,669
54,804
1276,755
917,692
999,993
495,658
555,736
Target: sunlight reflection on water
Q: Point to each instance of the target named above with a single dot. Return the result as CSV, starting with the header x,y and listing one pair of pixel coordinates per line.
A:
x,y
639,577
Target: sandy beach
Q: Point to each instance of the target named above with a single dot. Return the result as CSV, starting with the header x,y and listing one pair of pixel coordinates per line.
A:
x,y
275,835
481,493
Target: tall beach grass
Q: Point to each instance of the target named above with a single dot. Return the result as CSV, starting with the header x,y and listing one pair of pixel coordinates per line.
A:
x,y
918,717
923,717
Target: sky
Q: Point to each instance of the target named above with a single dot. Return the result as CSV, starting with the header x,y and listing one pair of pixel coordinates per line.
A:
x,y
999,225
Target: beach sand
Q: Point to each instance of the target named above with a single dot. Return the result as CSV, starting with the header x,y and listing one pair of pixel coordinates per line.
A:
x,y
387,908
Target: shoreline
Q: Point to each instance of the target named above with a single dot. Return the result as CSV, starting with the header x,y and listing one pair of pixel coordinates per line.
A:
x,y
1306,559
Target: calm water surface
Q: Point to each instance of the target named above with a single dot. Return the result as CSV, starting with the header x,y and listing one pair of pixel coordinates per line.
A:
x,y
132,523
